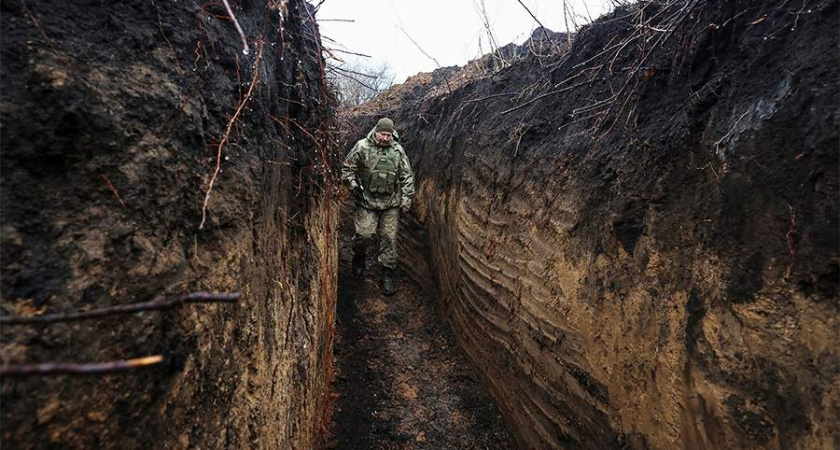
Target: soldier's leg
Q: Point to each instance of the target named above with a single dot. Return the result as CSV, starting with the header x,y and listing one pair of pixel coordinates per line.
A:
x,y
388,226
365,222
389,223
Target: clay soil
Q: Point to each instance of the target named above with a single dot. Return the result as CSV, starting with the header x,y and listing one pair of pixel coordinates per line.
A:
x,y
401,381
667,282
112,117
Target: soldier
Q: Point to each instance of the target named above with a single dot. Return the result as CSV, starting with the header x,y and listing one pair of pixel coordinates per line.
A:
x,y
379,175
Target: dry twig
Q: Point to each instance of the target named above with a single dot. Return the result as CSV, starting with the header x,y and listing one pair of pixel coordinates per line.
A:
x,y
111,187
566,21
540,97
165,38
37,25
245,49
347,73
348,52
446,78
544,29
481,8
18,370
157,304
487,97
227,136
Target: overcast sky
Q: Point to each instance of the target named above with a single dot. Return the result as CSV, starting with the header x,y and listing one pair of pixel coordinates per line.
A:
x,y
451,31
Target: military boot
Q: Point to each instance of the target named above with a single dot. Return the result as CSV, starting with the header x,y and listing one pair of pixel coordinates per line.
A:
x,y
358,265
389,286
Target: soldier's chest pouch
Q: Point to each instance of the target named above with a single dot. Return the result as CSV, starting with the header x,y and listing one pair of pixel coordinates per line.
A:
x,y
384,176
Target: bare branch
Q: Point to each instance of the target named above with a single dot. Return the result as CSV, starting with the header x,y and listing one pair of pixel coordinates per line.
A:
x,y
544,29
566,21
318,6
548,94
227,136
356,81
481,9
348,75
157,304
487,97
345,70
111,187
349,52
18,370
245,49
446,79
171,48
418,46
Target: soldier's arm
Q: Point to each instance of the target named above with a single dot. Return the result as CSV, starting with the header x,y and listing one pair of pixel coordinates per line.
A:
x,y
349,167
406,180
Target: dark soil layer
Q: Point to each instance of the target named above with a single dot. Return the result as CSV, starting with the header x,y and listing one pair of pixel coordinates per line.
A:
x,y
401,381
112,114
637,244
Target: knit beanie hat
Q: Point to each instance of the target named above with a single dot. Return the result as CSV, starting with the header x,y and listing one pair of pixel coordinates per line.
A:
x,y
385,124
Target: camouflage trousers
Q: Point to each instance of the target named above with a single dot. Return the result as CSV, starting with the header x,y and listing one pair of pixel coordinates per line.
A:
x,y
384,223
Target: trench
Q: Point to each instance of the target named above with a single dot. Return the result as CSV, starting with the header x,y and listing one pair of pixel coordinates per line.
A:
x,y
667,282
622,283
401,381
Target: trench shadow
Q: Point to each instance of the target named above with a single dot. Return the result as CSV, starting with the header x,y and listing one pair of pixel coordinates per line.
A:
x,y
363,390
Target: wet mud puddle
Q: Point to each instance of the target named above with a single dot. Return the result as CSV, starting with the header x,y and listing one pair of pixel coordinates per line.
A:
x,y
401,381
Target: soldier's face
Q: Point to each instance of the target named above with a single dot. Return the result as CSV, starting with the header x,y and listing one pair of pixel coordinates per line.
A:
x,y
383,137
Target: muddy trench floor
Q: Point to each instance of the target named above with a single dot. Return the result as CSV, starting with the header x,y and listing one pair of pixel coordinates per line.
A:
x,y
401,380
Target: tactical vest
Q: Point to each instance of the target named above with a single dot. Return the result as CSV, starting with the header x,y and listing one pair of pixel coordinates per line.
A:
x,y
382,179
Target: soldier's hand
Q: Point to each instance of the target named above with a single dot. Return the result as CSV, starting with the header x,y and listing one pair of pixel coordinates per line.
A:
x,y
405,209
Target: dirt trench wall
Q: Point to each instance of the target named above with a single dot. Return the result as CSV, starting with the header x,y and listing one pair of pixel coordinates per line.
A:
x,y
673,284
112,116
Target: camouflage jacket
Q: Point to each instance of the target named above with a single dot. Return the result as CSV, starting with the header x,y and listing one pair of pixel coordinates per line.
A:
x,y
384,173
